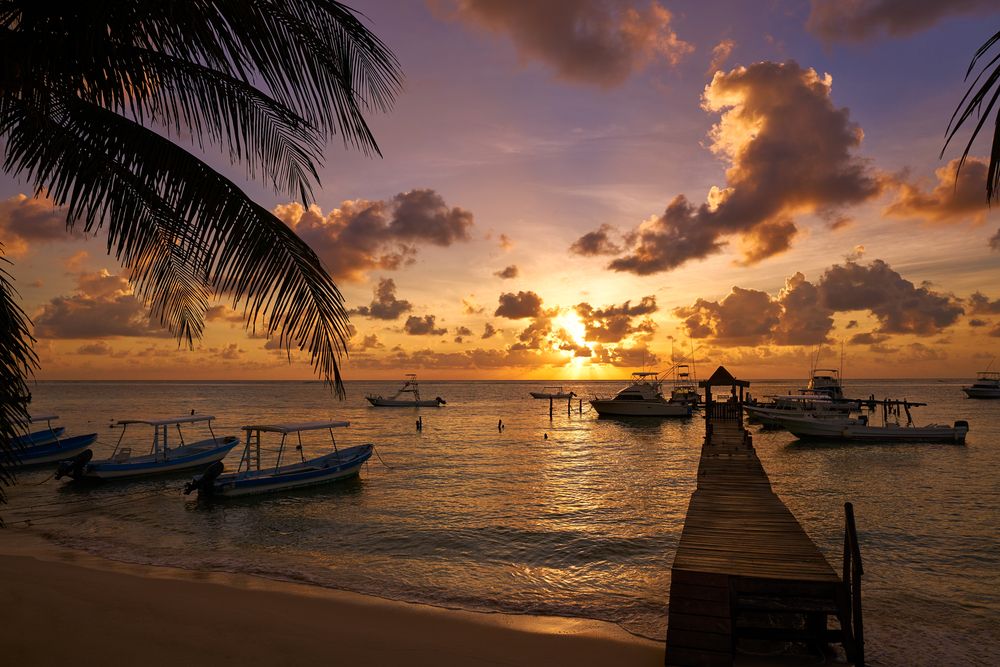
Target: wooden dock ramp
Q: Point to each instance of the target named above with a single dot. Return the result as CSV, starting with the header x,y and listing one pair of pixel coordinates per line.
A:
x,y
745,570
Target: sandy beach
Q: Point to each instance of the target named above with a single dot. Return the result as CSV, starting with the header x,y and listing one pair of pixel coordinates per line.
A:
x,y
59,605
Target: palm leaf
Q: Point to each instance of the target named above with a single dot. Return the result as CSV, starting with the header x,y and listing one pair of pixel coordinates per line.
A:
x,y
980,91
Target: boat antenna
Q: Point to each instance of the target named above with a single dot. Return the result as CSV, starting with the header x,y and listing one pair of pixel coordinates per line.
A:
x,y
841,361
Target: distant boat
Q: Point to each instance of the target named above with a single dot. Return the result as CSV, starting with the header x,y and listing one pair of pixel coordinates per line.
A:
x,y
552,392
641,398
409,388
859,429
825,381
252,477
48,445
162,458
987,385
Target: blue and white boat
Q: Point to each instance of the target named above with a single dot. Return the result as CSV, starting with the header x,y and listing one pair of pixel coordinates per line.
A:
x,y
251,477
164,456
49,444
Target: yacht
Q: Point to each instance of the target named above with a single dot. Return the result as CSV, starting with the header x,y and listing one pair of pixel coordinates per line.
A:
x,y
797,405
684,390
643,397
408,396
987,385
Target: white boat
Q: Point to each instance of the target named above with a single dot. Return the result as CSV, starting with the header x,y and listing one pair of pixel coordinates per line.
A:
x,y
987,385
163,457
826,381
552,392
797,405
855,429
251,477
407,397
684,389
643,397
48,445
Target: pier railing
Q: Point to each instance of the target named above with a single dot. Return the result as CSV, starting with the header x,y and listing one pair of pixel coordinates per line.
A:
x,y
851,621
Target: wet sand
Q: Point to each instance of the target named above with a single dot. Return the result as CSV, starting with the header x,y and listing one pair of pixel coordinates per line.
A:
x,y
58,605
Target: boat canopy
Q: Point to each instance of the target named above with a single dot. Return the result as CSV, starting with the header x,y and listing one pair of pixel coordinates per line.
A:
x,y
645,374
43,418
294,428
186,419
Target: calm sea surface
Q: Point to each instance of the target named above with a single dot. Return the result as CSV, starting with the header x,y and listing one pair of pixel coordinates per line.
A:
x,y
583,523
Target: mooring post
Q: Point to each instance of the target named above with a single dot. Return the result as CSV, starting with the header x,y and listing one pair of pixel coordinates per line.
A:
x,y
550,407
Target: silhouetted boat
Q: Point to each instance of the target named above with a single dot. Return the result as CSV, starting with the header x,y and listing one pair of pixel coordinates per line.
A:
x,y
162,458
251,477
48,445
641,398
552,392
987,385
855,429
410,388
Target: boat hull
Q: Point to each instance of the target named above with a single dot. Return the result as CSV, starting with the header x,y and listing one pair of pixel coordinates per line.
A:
x,y
612,408
178,461
854,431
767,416
53,452
234,485
543,395
978,392
38,438
393,403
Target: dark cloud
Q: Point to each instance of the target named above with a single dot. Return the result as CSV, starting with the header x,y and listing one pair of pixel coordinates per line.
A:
x,y
980,304
100,348
461,333
370,342
488,331
596,243
802,312
599,42
363,235
614,323
858,20
790,152
25,221
465,359
102,307
422,326
384,305
625,357
868,338
535,336
974,322
519,306
509,272
223,313
957,196
470,307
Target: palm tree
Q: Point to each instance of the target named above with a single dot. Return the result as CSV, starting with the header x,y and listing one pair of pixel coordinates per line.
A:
x,y
95,98
972,103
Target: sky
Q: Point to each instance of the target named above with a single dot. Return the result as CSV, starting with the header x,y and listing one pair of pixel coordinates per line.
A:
x,y
580,189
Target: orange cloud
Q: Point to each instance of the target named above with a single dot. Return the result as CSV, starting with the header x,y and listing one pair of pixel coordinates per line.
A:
x,y
957,197
26,220
598,42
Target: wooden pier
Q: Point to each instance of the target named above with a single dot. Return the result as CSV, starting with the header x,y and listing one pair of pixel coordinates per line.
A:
x,y
745,570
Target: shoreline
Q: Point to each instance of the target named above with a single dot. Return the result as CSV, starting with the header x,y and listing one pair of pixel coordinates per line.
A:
x,y
50,594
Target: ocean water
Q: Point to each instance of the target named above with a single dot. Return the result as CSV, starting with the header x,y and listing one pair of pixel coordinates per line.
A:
x,y
581,524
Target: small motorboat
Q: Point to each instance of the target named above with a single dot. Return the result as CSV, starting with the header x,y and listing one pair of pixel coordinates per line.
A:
x,y
407,397
798,405
987,385
48,445
252,477
860,429
643,397
164,456
552,392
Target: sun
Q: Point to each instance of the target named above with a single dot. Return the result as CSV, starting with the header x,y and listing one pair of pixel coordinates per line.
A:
x,y
573,325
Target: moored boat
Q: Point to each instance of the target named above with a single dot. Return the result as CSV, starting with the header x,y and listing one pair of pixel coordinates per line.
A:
x,y
643,397
552,392
987,385
252,477
684,389
797,405
49,444
860,429
408,396
163,457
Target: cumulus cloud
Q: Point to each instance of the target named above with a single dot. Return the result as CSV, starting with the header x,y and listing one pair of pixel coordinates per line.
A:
x,y
461,333
370,342
384,305
488,331
802,312
790,151
100,348
980,304
957,196
363,235
507,273
858,20
519,306
103,306
28,220
596,243
423,326
598,42
223,313
470,307
614,323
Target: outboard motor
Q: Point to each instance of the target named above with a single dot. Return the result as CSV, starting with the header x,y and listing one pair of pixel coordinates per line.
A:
x,y
440,400
203,482
75,467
